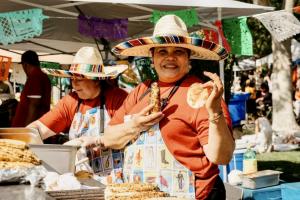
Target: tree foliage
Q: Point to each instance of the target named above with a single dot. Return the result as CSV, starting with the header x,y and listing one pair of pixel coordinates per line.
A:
x,y
262,40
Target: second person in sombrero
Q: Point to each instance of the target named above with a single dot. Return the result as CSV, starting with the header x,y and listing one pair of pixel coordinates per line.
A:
x,y
88,109
182,152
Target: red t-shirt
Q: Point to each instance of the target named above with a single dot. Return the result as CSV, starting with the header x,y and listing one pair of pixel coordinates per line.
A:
x,y
37,85
59,119
184,129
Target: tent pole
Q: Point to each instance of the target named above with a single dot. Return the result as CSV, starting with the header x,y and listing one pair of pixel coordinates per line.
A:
x,y
15,90
221,63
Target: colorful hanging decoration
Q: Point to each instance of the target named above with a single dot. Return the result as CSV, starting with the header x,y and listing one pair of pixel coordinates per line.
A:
x,y
20,25
225,44
5,63
206,34
238,35
110,29
189,16
281,24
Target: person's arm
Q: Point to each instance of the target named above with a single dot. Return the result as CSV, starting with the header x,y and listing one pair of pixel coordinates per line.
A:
x,y
220,146
117,136
58,119
44,131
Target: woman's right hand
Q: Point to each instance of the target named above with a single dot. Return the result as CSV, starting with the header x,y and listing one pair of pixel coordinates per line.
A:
x,y
118,136
142,121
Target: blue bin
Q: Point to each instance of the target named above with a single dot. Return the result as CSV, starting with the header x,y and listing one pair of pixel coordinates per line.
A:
x,y
237,107
268,193
235,163
237,160
224,170
290,191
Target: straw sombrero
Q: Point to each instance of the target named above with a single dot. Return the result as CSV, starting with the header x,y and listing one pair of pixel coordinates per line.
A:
x,y
170,30
88,64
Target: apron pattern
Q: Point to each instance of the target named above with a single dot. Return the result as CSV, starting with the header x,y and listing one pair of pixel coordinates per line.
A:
x,y
148,160
103,162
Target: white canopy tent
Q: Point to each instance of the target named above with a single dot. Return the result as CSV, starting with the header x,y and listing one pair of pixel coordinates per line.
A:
x,y
60,32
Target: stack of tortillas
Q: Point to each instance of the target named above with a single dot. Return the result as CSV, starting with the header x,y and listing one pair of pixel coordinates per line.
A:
x,y
132,191
15,153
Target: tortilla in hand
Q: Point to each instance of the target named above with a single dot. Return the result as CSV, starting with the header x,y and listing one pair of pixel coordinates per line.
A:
x,y
197,95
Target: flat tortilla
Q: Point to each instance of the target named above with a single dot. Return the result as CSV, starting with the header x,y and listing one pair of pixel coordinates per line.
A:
x,y
197,95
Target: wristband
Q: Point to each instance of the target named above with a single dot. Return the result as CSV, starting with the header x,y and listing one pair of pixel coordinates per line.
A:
x,y
216,117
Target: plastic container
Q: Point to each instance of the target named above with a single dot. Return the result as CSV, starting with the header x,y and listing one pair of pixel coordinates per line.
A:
x,y
57,158
261,179
249,161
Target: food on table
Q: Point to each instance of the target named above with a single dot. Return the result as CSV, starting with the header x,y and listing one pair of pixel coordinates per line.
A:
x,y
17,151
13,165
132,191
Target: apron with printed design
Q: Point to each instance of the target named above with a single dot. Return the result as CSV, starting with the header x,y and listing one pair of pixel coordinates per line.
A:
x,y
102,161
148,160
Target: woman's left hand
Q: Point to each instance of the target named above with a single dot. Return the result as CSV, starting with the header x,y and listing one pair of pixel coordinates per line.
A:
x,y
84,141
213,102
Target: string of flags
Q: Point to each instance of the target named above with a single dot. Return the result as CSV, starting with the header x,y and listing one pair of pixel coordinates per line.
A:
x,y
234,32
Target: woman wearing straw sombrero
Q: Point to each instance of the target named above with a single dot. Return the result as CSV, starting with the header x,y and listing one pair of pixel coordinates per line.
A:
x,y
88,109
192,132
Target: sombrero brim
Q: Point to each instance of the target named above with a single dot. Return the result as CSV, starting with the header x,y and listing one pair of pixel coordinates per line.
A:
x,y
110,72
200,49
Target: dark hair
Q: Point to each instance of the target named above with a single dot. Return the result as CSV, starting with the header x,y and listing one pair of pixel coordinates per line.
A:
x,y
188,51
264,86
30,57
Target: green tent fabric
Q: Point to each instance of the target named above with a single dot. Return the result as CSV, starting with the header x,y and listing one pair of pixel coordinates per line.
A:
x,y
189,16
238,35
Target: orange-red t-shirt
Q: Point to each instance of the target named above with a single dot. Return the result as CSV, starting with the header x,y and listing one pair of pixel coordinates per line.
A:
x,y
59,119
184,129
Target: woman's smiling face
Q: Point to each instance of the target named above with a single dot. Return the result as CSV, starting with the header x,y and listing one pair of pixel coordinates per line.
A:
x,y
86,88
171,63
